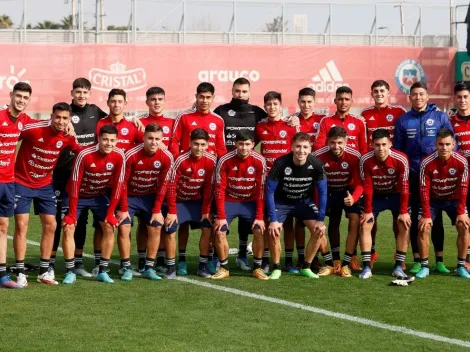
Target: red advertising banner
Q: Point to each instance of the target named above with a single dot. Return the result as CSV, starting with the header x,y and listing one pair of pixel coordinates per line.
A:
x,y
178,69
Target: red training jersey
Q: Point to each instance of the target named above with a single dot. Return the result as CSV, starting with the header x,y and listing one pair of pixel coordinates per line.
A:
x,y
240,180
275,138
385,118
127,132
10,130
342,173
443,180
192,179
355,129
388,177
310,125
166,123
188,122
462,133
39,153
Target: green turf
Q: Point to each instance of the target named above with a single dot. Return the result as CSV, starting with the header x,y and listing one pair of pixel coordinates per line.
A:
x,y
175,316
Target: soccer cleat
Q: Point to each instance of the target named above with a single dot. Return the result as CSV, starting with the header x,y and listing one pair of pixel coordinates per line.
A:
x,y
345,271
415,268
170,275
355,264
81,271
326,270
462,272
221,274
265,267
403,266
259,274
291,269
366,273
6,282
69,278
104,277
126,274
47,278
441,268
314,266
242,262
211,268
309,273
151,274
182,269
423,273
337,266
134,272
275,275
373,258
160,270
203,272
399,273
21,280
96,271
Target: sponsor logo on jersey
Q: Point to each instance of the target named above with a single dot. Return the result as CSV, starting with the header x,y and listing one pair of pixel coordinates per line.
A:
x,y
227,75
409,71
118,77
452,171
251,170
328,79
344,165
389,117
125,131
287,171
201,172
231,113
109,166
59,144
212,126
157,164
351,126
75,119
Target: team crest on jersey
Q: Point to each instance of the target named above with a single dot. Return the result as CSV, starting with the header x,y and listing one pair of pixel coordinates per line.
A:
x,y
20,126
212,126
389,117
59,144
109,166
201,172
351,126
316,125
429,122
344,165
231,113
391,171
283,134
157,164
75,119
166,129
251,170
452,171
57,193
288,171
124,131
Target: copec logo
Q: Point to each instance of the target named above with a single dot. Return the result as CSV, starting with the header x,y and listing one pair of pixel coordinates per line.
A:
x,y
227,75
328,79
9,80
117,77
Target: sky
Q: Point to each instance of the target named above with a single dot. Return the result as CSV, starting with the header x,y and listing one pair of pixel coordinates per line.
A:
x,y
351,17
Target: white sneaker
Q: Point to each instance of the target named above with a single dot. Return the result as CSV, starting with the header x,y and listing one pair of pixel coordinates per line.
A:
x,y
52,272
21,279
47,278
134,272
82,272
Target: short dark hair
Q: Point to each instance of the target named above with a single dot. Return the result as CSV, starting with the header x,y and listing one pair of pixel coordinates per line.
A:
x,y
343,90
380,133
444,133
272,95
301,137
337,132
154,91
153,127
109,129
61,107
380,83
23,87
205,87
417,85
307,91
199,133
116,91
81,83
241,80
461,86
244,135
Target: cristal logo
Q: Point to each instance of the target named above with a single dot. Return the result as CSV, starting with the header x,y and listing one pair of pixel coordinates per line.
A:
x,y
328,79
227,76
9,81
117,77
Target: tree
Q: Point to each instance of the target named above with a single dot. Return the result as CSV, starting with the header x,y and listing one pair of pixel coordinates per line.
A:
x,y
67,22
5,22
276,25
117,28
47,25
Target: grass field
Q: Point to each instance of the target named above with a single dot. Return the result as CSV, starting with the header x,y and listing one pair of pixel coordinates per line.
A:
x,y
183,316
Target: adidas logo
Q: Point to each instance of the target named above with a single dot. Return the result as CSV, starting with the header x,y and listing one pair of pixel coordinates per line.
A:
x,y
41,140
189,170
456,125
265,132
328,79
371,118
310,167
194,123
235,168
435,172
140,162
327,165
4,123
375,167
93,165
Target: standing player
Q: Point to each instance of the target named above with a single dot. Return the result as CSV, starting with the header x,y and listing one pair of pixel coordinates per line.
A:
x,y
289,191
341,164
147,168
444,186
415,135
384,173
309,121
41,145
239,192
190,193
94,168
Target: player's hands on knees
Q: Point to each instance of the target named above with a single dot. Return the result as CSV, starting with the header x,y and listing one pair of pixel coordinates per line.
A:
x,y
219,223
207,217
319,228
157,217
122,215
423,223
260,224
111,220
367,218
349,200
405,219
274,229
69,130
464,219
68,222
170,220
138,124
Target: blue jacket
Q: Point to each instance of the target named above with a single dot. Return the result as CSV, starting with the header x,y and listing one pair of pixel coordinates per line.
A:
x,y
415,133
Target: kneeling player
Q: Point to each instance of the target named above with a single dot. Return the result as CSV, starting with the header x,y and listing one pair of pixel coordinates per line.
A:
x,y
190,193
147,166
94,168
239,192
290,189
444,186
341,164
384,172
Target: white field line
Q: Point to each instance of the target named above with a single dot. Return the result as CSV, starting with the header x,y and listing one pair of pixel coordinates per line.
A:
x,y
328,313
